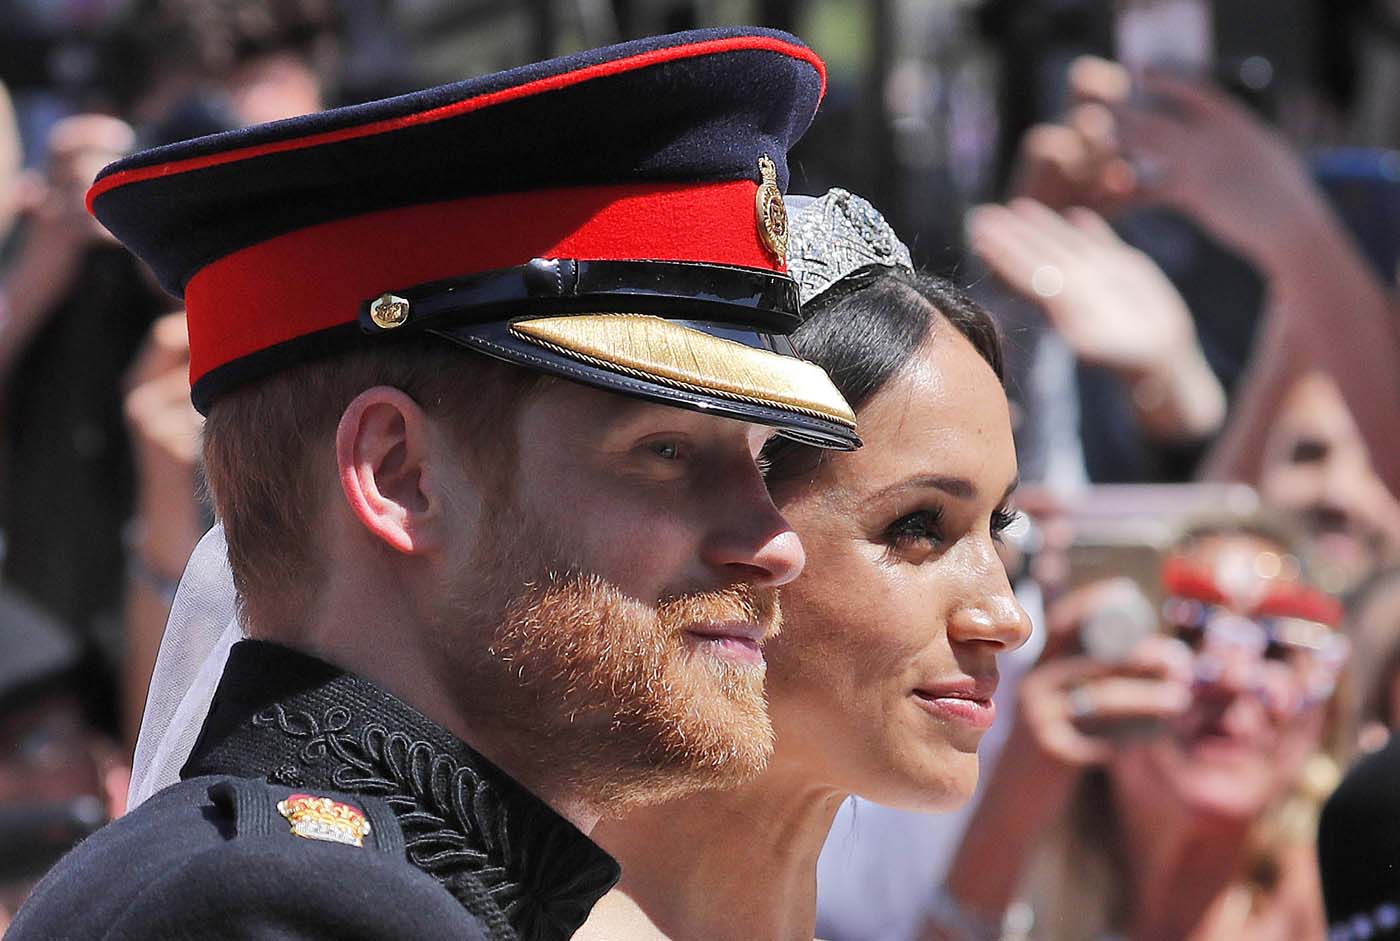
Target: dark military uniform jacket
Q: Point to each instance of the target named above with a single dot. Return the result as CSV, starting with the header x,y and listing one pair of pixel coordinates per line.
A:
x,y
450,847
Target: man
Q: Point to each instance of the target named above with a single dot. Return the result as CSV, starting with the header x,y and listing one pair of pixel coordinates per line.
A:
x,y
1317,469
490,596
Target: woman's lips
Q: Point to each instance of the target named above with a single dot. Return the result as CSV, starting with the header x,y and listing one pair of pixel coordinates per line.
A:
x,y
969,703
741,643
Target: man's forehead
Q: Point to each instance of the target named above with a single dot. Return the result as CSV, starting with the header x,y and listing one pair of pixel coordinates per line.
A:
x,y
584,410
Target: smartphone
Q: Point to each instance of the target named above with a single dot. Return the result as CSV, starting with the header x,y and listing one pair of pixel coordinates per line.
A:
x,y
1123,530
1165,35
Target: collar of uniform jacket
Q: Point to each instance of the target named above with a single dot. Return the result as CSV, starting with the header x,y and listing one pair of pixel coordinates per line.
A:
x,y
503,853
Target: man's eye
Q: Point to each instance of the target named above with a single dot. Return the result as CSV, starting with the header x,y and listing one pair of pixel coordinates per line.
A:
x,y
666,450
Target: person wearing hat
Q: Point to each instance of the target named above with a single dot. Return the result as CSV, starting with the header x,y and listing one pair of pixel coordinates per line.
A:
x,y
486,370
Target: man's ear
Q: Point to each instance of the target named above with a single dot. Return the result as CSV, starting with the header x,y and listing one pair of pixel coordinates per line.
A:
x,y
383,449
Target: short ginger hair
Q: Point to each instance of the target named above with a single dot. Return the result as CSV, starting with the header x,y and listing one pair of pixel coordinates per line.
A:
x,y
269,455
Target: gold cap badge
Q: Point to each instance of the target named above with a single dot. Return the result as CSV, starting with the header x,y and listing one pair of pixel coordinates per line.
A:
x,y
320,818
772,214
389,311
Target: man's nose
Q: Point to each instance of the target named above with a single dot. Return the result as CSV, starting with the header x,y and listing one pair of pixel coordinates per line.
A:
x,y
768,563
749,539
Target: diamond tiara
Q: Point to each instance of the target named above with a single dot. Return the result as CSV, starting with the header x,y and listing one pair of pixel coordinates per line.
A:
x,y
834,235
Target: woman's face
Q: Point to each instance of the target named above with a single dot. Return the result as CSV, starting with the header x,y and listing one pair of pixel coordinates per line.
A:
x,y
880,683
1253,720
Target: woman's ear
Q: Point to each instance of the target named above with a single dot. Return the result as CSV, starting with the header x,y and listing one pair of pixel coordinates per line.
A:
x,y
384,446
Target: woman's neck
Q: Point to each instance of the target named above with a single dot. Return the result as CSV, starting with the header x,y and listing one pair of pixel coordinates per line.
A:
x,y
732,864
1183,870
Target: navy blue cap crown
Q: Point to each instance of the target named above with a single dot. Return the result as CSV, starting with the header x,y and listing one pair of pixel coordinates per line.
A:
x,y
642,178
726,97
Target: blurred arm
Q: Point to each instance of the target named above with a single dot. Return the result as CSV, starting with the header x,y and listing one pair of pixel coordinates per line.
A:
x,y
1198,151
59,230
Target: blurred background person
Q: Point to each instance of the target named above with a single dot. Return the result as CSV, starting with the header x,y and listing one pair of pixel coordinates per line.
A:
x,y
61,777
86,537
1167,790
1316,469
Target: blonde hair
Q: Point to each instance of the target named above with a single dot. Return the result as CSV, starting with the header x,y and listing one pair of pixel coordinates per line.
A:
x,y
1077,885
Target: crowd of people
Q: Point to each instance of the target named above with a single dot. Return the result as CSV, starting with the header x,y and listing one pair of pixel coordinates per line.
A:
x,y
1144,578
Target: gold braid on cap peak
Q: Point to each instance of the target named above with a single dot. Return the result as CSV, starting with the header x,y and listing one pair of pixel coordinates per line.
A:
x,y
663,351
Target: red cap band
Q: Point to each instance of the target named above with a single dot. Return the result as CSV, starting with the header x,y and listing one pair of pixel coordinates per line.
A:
x,y
316,278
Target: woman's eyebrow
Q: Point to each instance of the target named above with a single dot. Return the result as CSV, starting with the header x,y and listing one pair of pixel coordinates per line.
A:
x,y
960,488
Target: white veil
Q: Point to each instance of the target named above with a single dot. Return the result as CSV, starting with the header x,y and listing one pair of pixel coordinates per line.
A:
x,y
203,625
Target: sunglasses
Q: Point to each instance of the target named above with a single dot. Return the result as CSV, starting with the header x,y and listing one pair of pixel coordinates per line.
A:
x,y
1285,629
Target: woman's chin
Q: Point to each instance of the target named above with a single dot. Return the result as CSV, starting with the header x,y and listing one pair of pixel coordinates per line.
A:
x,y
1224,794
936,781
1222,799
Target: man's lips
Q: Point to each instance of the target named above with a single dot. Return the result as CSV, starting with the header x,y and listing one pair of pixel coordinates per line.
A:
x,y
965,700
734,640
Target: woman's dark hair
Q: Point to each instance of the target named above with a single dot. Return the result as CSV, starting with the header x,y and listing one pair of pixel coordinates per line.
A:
x,y
865,328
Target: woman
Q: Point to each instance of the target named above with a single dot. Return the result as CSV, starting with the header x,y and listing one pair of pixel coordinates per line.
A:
x,y
1173,794
881,680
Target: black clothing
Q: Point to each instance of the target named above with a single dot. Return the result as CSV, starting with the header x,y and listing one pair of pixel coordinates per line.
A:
x,y
185,865
1358,849
70,484
460,849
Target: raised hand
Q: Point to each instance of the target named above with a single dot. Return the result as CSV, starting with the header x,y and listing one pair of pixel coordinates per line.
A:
x,y
1079,161
165,430
1112,304
1199,151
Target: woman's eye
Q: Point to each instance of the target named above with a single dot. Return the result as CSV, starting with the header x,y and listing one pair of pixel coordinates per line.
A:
x,y
915,528
1003,519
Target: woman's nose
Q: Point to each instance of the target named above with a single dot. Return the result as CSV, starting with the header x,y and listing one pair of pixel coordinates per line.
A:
x,y
1229,668
991,612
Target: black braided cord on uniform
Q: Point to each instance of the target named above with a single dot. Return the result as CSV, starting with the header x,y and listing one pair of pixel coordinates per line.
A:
x,y
525,872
